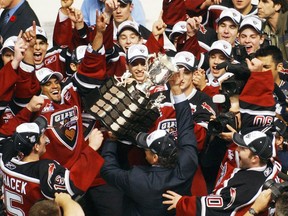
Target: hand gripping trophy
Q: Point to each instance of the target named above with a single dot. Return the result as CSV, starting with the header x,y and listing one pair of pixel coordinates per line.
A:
x,y
125,107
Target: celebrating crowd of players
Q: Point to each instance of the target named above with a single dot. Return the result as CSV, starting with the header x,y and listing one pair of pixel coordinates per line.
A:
x,y
221,130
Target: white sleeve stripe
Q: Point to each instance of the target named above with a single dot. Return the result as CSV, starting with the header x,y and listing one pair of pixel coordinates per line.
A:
x,y
257,112
67,183
26,67
86,85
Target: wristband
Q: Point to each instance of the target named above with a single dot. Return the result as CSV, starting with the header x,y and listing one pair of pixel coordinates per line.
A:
x,y
252,211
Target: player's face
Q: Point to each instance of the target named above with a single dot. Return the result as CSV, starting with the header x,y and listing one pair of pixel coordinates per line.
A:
x,y
267,9
40,50
128,38
122,13
251,39
7,56
227,30
138,68
243,6
7,3
186,84
150,156
52,89
66,3
42,144
216,58
245,156
269,64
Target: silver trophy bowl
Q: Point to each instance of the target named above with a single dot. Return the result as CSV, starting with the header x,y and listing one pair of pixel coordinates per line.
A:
x,y
162,68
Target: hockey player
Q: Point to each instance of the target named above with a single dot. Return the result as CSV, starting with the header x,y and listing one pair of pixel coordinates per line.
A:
x,y
62,105
26,178
239,190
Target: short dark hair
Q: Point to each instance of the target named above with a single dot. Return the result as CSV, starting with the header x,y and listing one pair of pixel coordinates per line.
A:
x,y
44,208
274,51
283,3
168,162
282,205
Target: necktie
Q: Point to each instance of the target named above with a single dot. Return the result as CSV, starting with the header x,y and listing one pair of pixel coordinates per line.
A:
x,y
6,18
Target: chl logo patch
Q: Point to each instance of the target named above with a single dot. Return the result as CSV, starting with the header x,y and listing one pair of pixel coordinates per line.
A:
x,y
66,126
50,60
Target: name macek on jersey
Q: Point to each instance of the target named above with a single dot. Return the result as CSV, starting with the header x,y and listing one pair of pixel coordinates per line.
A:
x,y
15,184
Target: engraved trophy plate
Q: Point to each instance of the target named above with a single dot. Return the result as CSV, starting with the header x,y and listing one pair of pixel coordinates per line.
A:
x,y
125,108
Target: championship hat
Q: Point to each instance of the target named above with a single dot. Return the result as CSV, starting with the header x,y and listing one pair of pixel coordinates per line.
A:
x,y
159,142
128,25
40,33
178,29
44,74
78,54
257,142
125,1
232,14
187,60
28,134
137,51
9,43
252,21
222,46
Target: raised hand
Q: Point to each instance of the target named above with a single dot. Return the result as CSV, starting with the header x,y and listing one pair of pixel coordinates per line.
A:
x,y
35,103
193,25
199,79
76,17
19,51
255,65
159,26
100,21
30,35
66,3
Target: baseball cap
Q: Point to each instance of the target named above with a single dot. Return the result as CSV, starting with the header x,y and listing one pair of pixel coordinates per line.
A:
x,y
232,14
125,1
159,142
252,21
40,33
178,29
186,59
222,46
137,51
9,43
28,134
128,24
78,54
257,142
44,74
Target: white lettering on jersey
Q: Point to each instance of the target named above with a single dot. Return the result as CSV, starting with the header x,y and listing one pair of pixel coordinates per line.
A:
x,y
15,184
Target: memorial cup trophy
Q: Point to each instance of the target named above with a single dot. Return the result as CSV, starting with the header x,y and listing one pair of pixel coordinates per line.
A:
x,y
125,108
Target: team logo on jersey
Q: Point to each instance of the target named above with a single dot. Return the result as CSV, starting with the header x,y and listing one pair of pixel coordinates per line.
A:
x,y
230,154
170,125
66,126
50,60
267,171
193,108
48,108
222,174
51,168
208,108
67,96
10,165
233,197
59,183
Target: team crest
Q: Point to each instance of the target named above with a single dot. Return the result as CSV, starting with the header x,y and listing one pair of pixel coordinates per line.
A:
x,y
66,126
50,60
